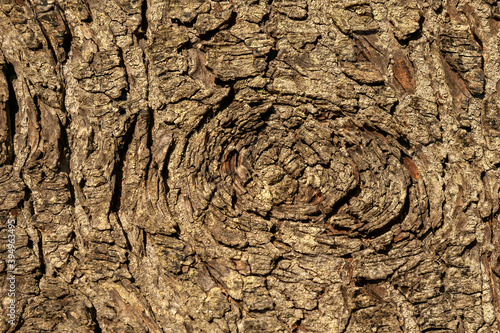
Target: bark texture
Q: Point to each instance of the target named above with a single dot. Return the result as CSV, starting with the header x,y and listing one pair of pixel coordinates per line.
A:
x,y
251,166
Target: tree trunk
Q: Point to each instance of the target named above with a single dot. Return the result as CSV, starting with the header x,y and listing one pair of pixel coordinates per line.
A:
x,y
250,166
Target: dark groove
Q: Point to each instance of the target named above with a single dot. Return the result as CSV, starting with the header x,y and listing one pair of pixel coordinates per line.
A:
x,y
227,25
124,92
71,193
144,240
143,28
405,143
40,254
414,36
226,101
18,325
37,109
93,316
478,41
12,109
64,150
345,200
164,171
227,83
128,246
273,53
469,247
66,44
118,168
68,36
297,326
187,24
434,329
393,107
89,19
362,282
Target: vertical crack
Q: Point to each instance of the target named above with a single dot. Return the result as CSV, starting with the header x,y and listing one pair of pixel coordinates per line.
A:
x,y
143,28
68,36
12,109
119,165
93,316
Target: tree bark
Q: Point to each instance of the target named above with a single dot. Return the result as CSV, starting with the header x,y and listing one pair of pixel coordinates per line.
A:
x,y
250,166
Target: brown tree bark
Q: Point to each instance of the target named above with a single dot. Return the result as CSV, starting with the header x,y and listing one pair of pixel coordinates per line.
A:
x,y
250,166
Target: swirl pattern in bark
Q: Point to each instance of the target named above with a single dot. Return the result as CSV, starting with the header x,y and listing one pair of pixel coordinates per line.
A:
x,y
285,164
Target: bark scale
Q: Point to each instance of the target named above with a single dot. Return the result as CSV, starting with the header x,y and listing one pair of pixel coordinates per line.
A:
x,y
251,166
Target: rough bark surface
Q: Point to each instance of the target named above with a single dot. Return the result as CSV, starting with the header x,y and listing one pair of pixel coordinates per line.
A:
x,y
251,166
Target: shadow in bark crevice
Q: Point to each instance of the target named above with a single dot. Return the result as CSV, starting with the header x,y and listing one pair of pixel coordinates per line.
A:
x,y
12,110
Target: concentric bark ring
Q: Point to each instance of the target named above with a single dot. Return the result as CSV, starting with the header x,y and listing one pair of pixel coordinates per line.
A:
x,y
270,163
